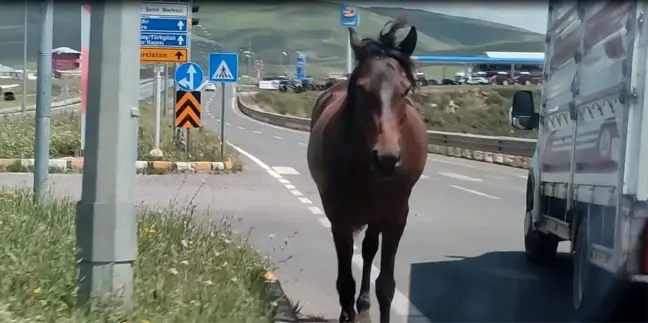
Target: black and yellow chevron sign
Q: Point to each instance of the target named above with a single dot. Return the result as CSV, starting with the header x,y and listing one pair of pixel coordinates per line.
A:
x,y
187,109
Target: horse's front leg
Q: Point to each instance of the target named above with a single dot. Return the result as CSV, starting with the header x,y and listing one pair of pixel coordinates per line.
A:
x,y
385,284
343,239
369,249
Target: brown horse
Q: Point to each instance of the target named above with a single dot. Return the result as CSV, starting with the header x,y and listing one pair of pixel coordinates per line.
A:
x,y
367,149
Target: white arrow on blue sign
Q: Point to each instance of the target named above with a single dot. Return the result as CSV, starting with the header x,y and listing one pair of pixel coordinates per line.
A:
x,y
189,77
163,39
163,24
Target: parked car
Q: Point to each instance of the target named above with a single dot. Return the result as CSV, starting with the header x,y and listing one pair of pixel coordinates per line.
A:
x,y
449,82
432,82
501,78
210,87
527,79
9,96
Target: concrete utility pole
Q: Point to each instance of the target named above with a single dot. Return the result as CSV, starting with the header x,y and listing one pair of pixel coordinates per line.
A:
x,y
24,89
106,224
43,103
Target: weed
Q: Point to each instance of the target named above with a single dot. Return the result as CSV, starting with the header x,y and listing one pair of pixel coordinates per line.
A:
x,y
17,139
186,270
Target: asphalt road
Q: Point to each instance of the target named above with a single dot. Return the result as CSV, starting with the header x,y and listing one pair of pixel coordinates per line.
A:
x,y
461,257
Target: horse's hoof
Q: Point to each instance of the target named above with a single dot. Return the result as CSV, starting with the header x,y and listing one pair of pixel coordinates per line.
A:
x,y
363,303
347,317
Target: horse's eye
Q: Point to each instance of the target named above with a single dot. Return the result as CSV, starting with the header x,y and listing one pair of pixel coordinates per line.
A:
x,y
407,92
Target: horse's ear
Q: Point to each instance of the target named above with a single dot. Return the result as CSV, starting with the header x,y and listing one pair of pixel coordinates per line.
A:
x,y
408,45
355,41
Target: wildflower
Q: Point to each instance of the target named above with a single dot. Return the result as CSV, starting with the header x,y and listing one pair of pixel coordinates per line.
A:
x,y
208,282
184,243
234,279
227,241
174,271
184,262
37,291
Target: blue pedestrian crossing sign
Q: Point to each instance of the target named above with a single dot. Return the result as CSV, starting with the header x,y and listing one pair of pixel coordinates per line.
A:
x,y
189,77
223,67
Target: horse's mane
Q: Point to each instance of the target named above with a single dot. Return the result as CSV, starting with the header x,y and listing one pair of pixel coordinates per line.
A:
x,y
385,45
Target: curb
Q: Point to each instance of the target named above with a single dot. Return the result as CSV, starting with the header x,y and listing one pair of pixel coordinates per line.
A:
x,y
284,308
75,165
303,124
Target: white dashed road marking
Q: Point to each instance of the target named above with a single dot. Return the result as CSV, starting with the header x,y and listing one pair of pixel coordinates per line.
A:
x,y
305,200
290,186
475,192
315,210
400,304
241,128
285,170
303,144
228,124
460,177
277,137
257,132
450,162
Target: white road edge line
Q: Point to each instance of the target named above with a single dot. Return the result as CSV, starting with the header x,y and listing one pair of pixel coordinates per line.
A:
x,y
475,192
283,181
400,304
290,186
450,162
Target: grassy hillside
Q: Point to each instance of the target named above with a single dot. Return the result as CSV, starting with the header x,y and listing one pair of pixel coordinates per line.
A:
x,y
271,28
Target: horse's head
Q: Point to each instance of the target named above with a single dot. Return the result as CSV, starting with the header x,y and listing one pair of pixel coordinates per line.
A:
x,y
379,88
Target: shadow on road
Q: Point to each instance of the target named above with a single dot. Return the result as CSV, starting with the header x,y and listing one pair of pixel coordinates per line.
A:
x,y
493,287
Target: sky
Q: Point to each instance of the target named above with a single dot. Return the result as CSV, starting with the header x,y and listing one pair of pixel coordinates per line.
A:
x,y
527,15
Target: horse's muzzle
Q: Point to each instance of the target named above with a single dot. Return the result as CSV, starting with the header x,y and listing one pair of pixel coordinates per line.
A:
x,y
385,164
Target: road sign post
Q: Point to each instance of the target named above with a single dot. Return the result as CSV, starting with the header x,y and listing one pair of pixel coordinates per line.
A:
x,y
164,38
300,66
164,32
349,17
258,66
188,78
223,68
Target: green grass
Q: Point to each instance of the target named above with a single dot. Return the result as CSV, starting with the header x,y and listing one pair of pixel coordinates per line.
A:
x,y
464,109
17,139
186,270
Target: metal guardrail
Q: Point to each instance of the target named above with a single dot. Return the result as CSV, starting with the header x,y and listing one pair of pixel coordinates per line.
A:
x,y
512,146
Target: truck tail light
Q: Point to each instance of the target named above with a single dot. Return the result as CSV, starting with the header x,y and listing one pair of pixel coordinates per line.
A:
x,y
645,249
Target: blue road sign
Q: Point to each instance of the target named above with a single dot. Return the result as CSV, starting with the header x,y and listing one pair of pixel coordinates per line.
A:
x,y
163,39
349,16
189,77
300,66
223,67
164,24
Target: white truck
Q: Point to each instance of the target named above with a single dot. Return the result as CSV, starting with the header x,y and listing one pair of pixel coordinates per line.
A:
x,y
588,183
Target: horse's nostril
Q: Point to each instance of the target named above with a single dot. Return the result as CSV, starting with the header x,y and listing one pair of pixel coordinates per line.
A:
x,y
385,163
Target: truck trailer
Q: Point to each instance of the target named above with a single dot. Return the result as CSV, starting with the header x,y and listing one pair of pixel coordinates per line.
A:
x,y
588,180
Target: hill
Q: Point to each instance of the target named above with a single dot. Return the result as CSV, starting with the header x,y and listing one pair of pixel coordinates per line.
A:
x,y
270,28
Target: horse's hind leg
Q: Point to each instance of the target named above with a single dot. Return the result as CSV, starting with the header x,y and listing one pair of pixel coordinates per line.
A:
x,y
369,249
343,238
385,284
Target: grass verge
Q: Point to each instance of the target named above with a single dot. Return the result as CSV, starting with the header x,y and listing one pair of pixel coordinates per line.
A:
x,y
186,270
17,139
465,109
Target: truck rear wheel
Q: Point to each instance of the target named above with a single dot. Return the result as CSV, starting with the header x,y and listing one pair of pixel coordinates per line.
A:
x,y
541,248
